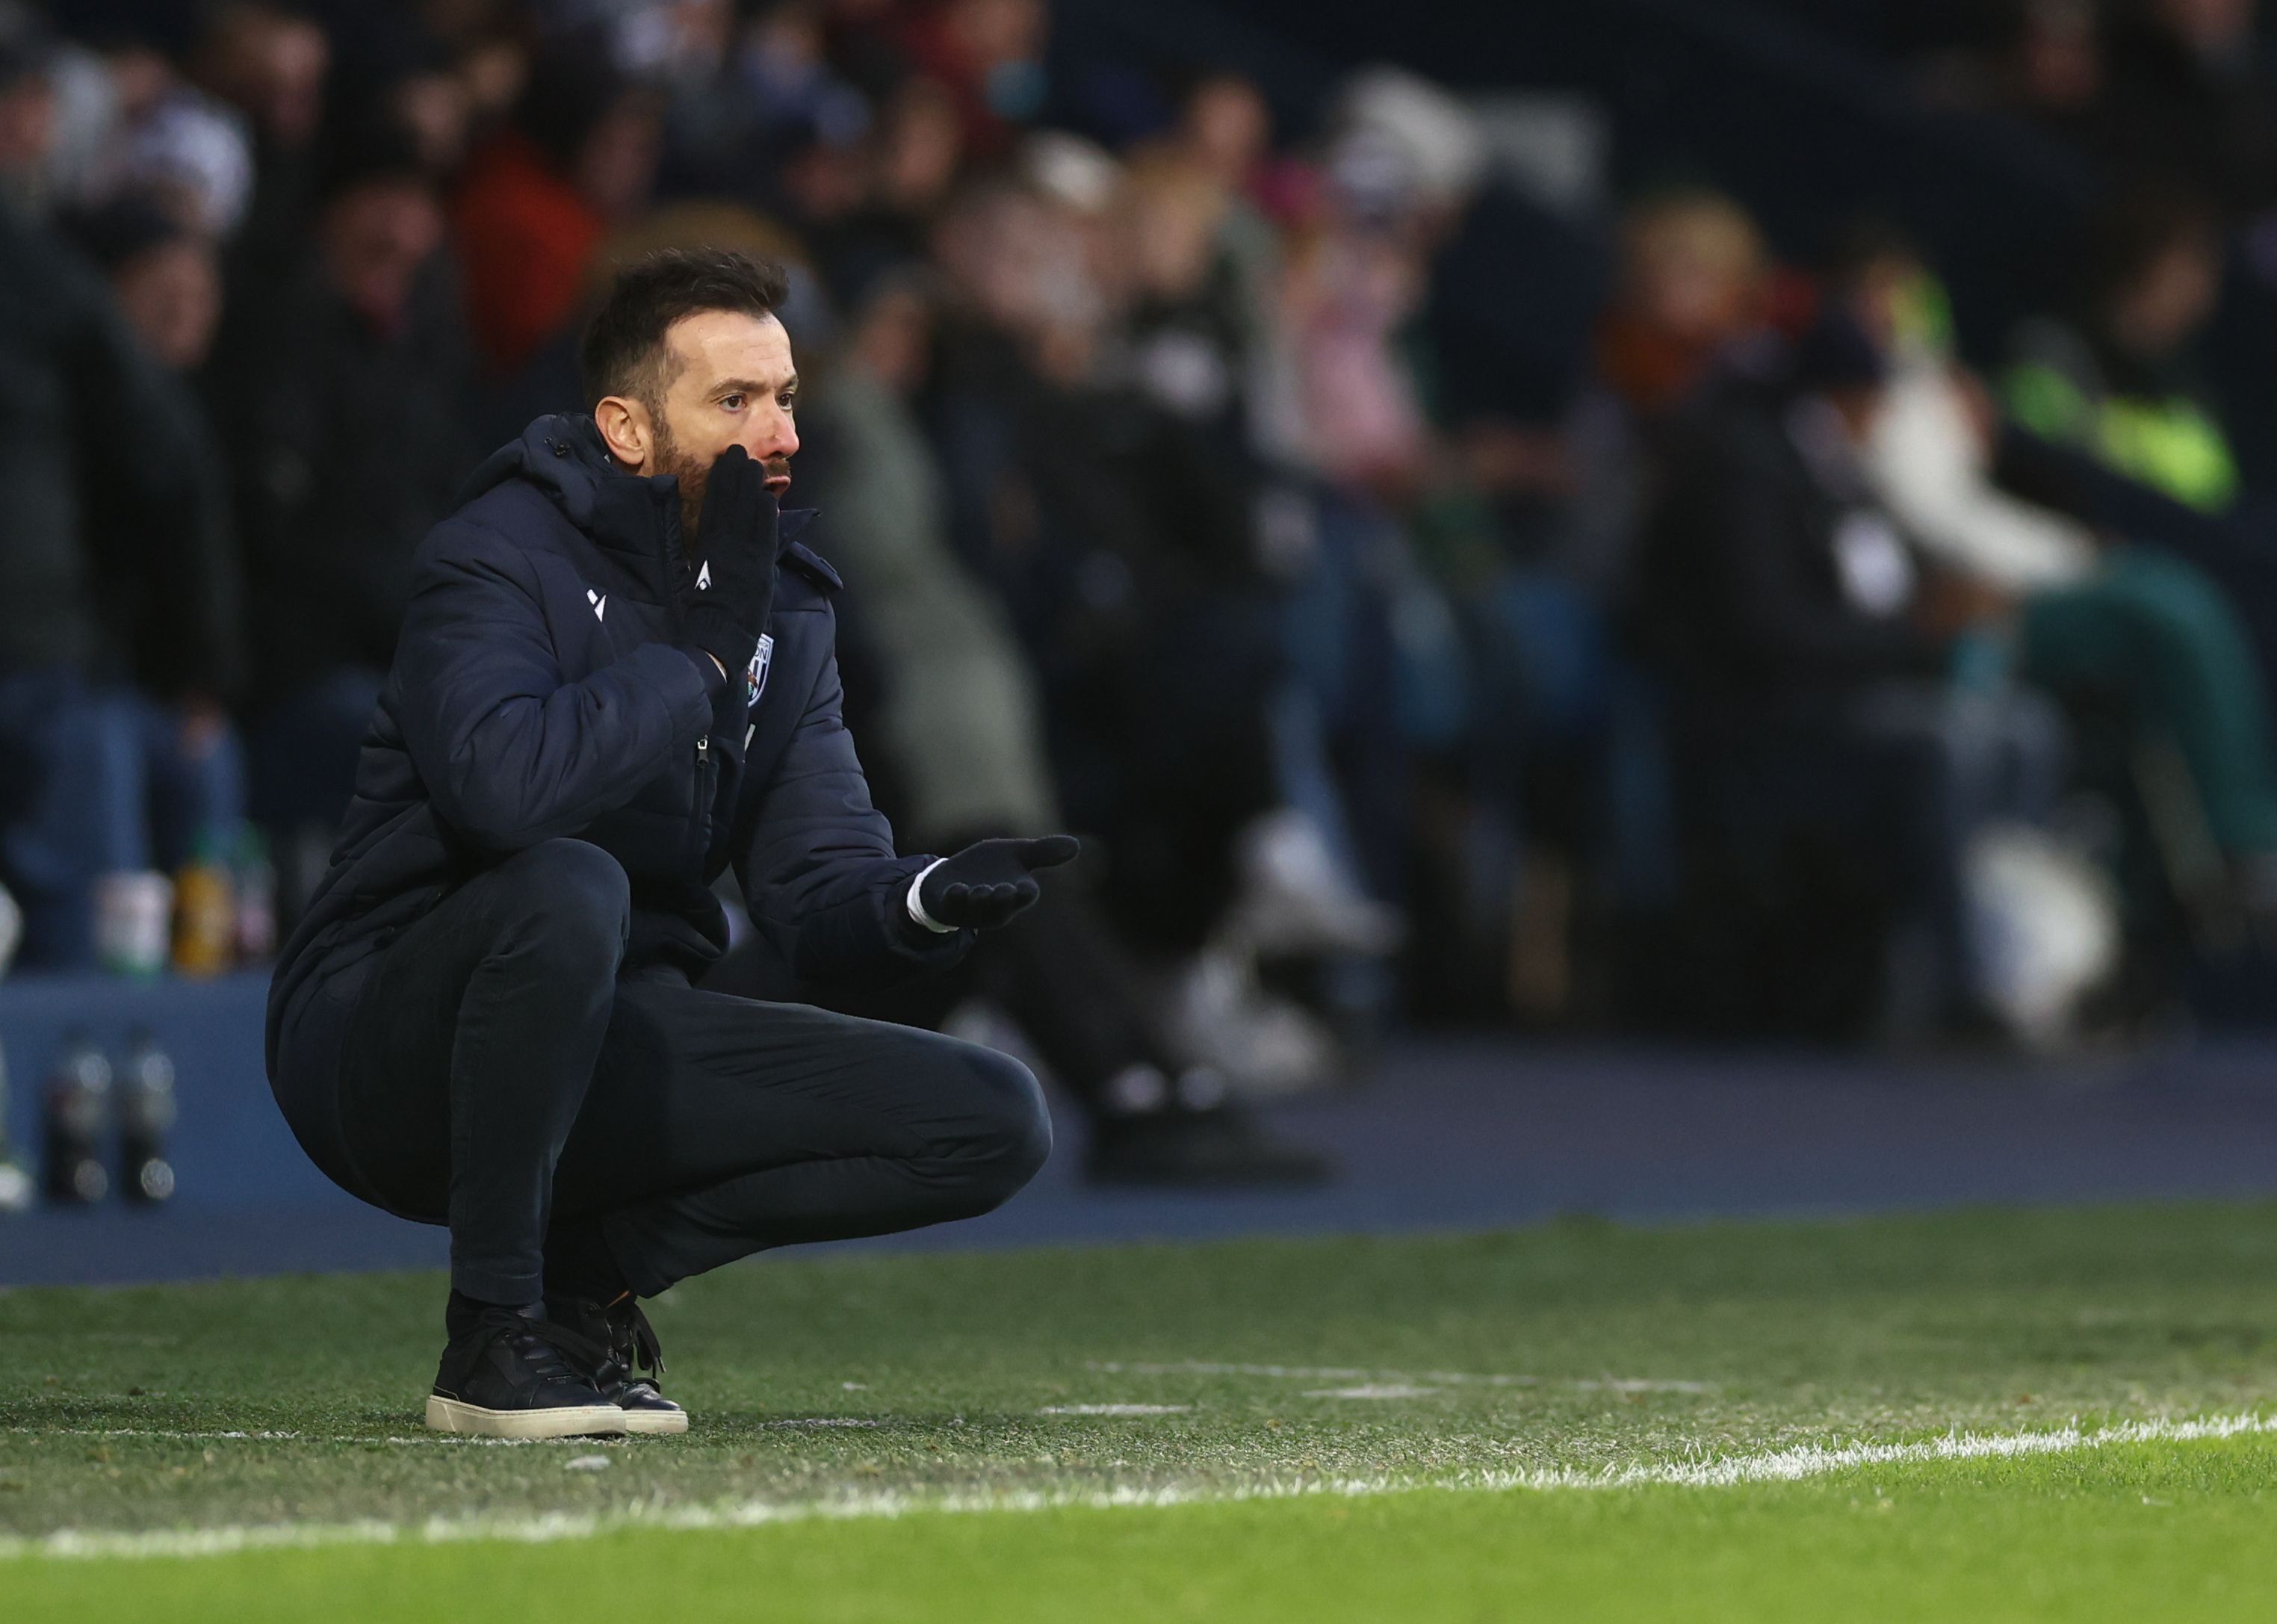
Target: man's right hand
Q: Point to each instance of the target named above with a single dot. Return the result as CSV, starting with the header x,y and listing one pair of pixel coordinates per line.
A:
x,y
731,589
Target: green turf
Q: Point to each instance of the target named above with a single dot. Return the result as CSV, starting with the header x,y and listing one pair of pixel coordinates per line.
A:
x,y
1572,1348
2132,1536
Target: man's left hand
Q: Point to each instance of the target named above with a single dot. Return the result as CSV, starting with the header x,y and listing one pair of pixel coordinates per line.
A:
x,y
987,883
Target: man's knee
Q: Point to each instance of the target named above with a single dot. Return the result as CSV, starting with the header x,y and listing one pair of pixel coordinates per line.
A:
x,y
567,904
1009,1132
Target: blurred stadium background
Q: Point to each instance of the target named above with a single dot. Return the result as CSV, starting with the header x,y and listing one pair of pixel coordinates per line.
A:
x,y
1650,610
1656,607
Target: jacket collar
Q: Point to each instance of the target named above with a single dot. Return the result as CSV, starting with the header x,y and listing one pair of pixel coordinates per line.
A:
x,y
635,516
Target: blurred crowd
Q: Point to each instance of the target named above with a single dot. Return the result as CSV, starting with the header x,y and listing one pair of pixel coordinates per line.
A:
x,y
1776,671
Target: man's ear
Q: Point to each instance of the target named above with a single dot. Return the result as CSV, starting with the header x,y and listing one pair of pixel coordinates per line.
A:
x,y
626,430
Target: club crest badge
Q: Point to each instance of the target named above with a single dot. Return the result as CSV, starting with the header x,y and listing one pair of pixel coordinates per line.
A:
x,y
755,675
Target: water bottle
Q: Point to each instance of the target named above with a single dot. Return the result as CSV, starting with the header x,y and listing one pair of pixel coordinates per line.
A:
x,y
133,909
145,1117
78,1114
15,1183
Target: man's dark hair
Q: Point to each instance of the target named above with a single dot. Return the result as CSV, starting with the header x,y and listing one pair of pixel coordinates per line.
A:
x,y
624,352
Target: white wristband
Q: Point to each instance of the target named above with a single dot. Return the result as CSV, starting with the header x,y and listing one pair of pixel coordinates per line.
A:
x,y
917,906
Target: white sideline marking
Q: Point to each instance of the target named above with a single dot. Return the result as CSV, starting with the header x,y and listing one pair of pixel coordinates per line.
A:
x,y
1722,1472
1374,1390
159,1432
1117,1409
1436,1378
453,1440
460,1439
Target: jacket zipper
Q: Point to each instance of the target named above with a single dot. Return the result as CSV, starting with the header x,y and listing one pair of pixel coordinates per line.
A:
x,y
706,792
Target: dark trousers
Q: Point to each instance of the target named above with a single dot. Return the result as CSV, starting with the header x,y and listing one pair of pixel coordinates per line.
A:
x,y
1056,970
582,1130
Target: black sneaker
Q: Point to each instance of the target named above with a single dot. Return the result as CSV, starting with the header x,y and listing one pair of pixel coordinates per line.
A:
x,y
1222,1149
627,1342
507,1375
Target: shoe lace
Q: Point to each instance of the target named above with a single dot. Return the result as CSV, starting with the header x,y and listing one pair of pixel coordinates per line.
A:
x,y
552,1351
632,1340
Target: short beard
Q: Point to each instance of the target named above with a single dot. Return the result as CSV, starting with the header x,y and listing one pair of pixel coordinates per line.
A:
x,y
692,475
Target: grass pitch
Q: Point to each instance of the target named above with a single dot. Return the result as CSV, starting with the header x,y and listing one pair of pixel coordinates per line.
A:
x,y
2061,1415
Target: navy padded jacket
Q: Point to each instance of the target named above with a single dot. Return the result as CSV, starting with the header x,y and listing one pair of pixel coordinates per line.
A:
x,y
536,692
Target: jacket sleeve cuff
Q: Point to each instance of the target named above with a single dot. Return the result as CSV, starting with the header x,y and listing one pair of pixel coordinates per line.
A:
x,y
707,669
914,901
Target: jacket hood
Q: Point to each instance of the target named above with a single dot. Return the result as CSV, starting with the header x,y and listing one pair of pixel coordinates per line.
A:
x,y
561,453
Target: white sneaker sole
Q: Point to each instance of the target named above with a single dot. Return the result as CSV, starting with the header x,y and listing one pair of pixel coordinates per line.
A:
x,y
569,1421
656,1423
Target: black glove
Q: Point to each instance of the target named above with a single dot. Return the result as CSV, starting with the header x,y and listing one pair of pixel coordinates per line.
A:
x,y
986,883
731,589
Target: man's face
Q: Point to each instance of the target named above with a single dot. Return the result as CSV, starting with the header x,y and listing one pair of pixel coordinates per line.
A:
x,y
376,237
170,295
731,383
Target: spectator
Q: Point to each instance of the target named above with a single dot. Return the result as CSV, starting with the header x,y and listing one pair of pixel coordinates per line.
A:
x,y
539,198
1374,663
181,622
1796,626
989,55
1190,320
2187,98
1351,289
2099,620
960,716
1694,278
910,164
393,73
1252,484
105,511
271,64
961,731
100,91
1225,131
2054,66
1128,561
347,416
2121,382
741,101
1127,557
128,123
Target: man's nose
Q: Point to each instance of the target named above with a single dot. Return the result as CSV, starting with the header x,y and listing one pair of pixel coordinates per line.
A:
x,y
774,435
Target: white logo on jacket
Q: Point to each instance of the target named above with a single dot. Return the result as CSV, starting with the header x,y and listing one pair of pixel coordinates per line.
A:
x,y
599,601
755,675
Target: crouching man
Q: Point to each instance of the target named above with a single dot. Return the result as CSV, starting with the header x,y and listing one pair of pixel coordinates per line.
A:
x,y
617,678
